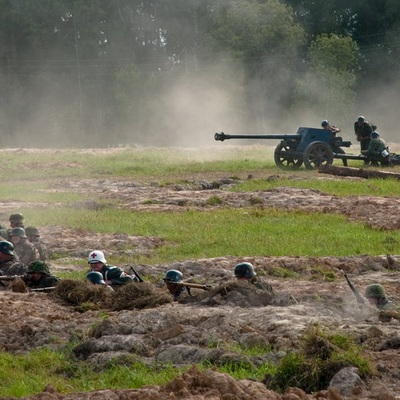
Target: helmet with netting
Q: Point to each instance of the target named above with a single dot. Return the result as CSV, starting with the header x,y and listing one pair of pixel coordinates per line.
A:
x,y
7,247
32,231
244,270
18,232
38,266
375,290
174,276
95,277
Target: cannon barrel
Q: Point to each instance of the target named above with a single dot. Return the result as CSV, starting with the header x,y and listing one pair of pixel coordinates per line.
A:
x,y
222,136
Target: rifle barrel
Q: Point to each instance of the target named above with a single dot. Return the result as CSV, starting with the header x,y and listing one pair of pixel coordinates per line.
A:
x,y
8,278
194,285
359,298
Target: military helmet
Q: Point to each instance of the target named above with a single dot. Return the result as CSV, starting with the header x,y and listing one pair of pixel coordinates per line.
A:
x,y
374,135
7,247
38,266
375,290
18,232
244,270
96,256
324,123
361,118
32,231
173,275
95,277
16,217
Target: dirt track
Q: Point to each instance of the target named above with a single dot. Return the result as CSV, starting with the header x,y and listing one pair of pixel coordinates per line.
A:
x,y
182,333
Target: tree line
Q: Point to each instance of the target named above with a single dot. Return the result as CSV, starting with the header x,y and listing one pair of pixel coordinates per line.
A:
x,y
104,72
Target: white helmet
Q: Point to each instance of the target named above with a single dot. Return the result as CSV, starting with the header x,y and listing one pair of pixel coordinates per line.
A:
x,y
96,256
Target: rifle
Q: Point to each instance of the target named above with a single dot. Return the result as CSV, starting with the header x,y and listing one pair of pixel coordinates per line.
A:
x,y
44,289
192,285
139,278
360,300
11,277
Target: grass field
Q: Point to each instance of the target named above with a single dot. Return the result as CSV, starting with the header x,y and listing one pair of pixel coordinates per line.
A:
x,y
30,177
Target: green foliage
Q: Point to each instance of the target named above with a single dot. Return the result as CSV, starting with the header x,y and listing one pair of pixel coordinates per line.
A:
x,y
294,371
250,351
322,273
323,352
328,87
23,375
249,28
332,52
282,273
215,200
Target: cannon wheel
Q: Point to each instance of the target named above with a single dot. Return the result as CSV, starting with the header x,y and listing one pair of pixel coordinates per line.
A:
x,y
285,160
317,154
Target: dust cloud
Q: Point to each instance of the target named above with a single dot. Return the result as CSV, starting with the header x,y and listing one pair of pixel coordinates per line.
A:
x,y
188,109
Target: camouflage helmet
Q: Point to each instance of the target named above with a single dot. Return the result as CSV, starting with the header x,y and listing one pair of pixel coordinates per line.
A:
x,y
7,247
244,270
38,266
375,290
361,118
32,231
16,217
174,276
95,277
18,232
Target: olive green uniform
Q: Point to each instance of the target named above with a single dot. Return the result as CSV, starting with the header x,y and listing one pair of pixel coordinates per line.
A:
x,y
363,134
374,151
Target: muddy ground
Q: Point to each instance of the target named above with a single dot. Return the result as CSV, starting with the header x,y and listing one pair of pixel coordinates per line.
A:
x,y
203,327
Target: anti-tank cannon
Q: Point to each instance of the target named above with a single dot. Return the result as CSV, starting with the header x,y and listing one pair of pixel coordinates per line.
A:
x,y
312,146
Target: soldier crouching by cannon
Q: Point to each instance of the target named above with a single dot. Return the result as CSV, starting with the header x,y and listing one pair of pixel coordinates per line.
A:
x,y
377,151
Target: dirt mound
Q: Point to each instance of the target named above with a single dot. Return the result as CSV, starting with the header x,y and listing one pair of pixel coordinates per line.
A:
x,y
193,385
143,323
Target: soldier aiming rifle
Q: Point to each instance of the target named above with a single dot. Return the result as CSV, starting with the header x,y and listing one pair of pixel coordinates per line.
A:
x,y
359,298
376,297
37,278
176,286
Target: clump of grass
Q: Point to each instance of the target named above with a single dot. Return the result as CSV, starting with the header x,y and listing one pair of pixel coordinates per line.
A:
x,y
281,272
150,201
323,273
321,355
215,201
255,200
